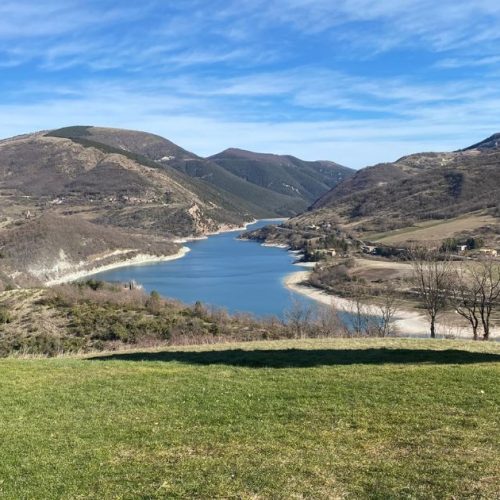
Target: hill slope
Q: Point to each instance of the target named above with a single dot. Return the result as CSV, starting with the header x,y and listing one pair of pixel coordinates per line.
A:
x,y
420,197
133,183
418,187
286,175
258,198
46,178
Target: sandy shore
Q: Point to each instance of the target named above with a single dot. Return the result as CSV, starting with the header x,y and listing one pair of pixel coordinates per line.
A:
x,y
408,323
134,261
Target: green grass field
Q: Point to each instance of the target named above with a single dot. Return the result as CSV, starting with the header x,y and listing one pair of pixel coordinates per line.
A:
x,y
289,419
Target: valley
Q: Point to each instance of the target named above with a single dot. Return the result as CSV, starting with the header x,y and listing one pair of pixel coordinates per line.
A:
x,y
81,200
78,195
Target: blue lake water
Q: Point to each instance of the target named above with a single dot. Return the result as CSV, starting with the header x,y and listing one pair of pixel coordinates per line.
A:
x,y
241,276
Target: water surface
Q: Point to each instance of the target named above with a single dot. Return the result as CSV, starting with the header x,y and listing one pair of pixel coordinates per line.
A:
x,y
239,275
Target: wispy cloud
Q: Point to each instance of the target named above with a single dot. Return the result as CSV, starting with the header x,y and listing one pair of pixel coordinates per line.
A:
x,y
357,81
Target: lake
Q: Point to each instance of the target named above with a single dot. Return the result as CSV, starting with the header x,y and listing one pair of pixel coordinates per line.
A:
x,y
238,275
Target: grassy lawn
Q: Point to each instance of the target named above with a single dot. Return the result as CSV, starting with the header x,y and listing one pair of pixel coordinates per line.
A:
x,y
289,419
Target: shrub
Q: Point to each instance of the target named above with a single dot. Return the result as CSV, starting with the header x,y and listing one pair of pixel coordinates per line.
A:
x,y
5,316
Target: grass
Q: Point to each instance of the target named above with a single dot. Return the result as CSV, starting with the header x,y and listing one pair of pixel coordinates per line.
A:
x,y
433,230
288,419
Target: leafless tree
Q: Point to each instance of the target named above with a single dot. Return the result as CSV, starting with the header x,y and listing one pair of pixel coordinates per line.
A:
x,y
330,323
431,277
386,313
486,275
299,317
465,295
359,314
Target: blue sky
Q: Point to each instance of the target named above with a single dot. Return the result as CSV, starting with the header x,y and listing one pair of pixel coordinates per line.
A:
x,y
354,81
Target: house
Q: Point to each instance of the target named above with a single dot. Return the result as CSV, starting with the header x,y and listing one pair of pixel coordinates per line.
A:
x,y
461,248
369,249
328,252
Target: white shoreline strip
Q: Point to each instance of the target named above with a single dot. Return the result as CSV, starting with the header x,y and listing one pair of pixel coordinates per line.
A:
x,y
134,261
408,323
143,258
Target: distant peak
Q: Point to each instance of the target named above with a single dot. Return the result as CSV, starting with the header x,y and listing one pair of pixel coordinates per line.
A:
x,y
492,142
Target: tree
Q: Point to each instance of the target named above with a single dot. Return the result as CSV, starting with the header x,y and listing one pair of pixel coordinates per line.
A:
x,y
449,245
360,314
465,296
299,317
386,312
154,302
431,277
486,276
474,243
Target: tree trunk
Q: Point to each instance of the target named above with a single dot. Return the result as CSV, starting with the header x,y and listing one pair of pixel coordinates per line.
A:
x,y
474,332
486,335
485,320
433,328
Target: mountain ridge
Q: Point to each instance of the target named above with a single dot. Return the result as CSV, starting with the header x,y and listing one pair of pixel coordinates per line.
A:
x,y
403,196
261,200
111,185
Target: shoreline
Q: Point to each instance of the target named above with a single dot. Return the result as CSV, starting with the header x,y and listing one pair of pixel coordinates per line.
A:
x,y
408,323
222,230
144,258
134,261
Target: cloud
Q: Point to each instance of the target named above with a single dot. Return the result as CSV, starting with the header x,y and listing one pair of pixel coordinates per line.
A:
x,y
356,81
207,126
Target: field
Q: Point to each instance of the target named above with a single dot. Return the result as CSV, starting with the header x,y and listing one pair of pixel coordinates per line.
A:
x,y
289,419
433,230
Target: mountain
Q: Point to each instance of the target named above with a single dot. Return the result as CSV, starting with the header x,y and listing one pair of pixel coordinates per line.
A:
x,y
425,196
302,180
419,187
492,142
267,185
66,201
77,196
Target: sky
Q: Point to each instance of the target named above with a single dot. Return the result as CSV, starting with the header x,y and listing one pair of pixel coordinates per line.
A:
x,y
353,81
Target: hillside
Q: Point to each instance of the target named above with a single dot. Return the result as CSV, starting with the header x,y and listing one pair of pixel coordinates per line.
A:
x,y
50,246
303,180
262,199
420,197
132,184
290,419
92,198
419,187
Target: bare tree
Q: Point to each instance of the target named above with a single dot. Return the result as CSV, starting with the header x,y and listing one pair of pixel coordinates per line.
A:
x,y
431,277
386,313
299,317
465,295
360,314
330,322
486,275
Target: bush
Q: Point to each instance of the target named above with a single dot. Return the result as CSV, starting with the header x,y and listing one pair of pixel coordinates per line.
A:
x,y
5,316
154,303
